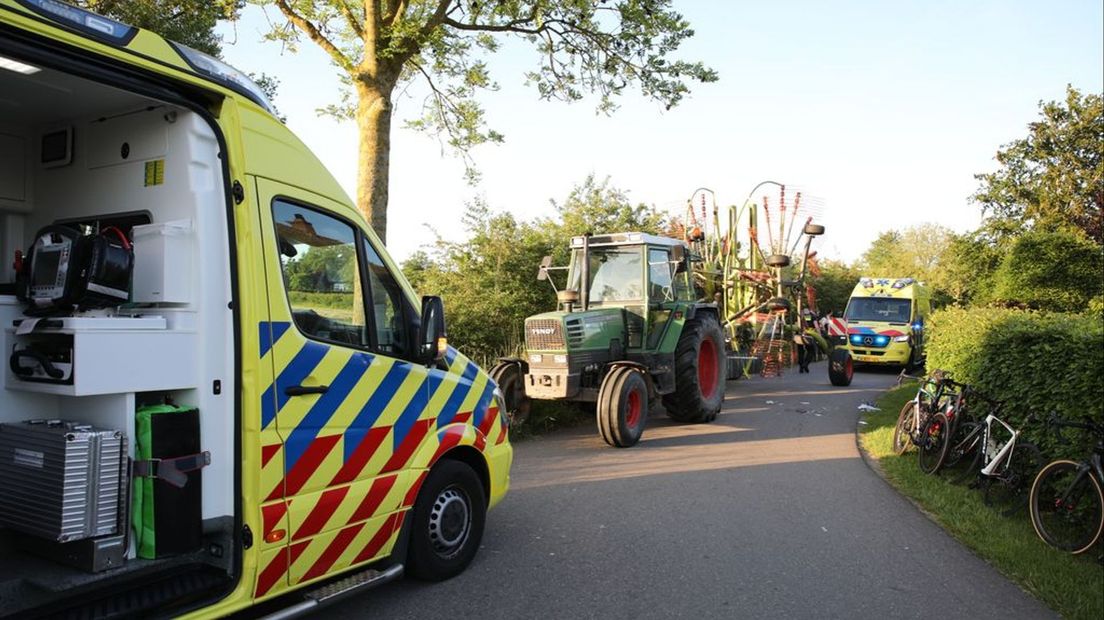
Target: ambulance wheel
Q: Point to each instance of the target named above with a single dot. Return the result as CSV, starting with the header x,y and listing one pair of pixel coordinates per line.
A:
x,y
508,377
841,368
447,522
622,406
700,364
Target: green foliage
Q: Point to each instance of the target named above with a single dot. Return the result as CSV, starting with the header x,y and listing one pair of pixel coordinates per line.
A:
x,y
1035,362
1059,271
915,252
488,282
1055,176
834,285
966,269
578,48
191,22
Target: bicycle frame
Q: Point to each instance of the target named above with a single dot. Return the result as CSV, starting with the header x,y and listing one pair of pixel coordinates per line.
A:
x,y
1002,454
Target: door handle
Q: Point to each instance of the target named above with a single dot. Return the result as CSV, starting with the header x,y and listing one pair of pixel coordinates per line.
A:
x,y
302,390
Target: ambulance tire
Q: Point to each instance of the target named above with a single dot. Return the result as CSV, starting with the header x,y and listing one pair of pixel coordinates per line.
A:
x,y
841,368
446,522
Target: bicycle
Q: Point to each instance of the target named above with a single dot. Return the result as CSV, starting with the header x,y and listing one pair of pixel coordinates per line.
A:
x,y
1067,497
929,399
934,435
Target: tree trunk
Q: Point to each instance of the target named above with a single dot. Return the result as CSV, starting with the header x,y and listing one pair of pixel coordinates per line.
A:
x,y
373,169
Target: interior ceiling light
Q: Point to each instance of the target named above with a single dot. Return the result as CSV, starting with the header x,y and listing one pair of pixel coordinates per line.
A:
x,y
18,67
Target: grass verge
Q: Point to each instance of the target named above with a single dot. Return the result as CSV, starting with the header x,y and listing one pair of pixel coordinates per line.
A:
x,y
1071,585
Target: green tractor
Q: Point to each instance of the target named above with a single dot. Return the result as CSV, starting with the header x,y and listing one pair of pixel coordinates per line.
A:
x,y
635,334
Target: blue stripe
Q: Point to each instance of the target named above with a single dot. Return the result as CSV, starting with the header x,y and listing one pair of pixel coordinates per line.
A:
x,y
324,408
372,409
268,405
470,371
270,333
452,405
301,366
450,355
414,408
484,404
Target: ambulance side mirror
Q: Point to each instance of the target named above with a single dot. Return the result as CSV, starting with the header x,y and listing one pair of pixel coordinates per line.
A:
x,y
432,339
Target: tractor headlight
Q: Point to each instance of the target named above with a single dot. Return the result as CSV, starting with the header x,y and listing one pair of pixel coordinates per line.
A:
x,y
535,358
559,359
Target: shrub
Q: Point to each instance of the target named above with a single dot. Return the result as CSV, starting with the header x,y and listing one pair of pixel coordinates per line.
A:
x,y
1059,271
1034,361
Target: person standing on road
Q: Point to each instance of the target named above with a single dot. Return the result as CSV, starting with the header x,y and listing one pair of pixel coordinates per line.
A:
x,y
804,345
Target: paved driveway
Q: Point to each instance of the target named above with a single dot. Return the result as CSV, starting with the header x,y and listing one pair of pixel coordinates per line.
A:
x,y
768,512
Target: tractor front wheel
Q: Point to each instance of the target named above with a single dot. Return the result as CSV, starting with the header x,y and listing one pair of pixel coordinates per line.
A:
x,y
508,377
699,372
622,406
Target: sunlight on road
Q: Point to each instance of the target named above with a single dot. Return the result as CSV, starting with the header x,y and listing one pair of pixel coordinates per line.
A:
x,y
658,454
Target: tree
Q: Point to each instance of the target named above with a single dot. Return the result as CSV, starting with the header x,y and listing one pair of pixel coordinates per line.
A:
x,y
1055,176
913,252
834,285
583,46
191,22
1059,271
967,266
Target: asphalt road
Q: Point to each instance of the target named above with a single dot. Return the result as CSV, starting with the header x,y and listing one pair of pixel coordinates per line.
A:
x,y
769,512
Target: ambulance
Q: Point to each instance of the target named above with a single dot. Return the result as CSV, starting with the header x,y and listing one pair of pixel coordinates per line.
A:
x,y
885,321
220,392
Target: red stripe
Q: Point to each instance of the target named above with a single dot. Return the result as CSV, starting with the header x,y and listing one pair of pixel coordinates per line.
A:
x,y
271,516
275,571
446,440
406,449
380,488
412,494
309,462
480,442
267,452
321,513
502,433
332,552
354,466
488,420
378,541
462,418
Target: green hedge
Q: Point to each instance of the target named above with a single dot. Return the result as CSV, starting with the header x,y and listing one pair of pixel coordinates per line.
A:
x,y
1059,271
1035,362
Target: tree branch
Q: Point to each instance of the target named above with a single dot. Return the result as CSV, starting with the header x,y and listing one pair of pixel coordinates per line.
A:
x,y
350,17
316,35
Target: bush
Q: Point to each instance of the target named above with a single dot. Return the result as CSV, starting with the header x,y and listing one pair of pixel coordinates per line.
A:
x,y
1059,271
1035,362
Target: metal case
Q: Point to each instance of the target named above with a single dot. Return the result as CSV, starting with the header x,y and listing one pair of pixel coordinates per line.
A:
x,y
61,480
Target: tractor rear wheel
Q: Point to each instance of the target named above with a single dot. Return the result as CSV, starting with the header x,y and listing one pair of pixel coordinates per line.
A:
x,y
841,368
622,406
699,372
509,378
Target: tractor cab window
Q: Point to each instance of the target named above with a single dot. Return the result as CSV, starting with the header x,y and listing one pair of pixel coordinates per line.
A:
x,y
616,274
660,276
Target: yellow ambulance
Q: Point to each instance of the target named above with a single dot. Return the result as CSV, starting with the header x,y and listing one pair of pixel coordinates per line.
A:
x,y
220,390
885,321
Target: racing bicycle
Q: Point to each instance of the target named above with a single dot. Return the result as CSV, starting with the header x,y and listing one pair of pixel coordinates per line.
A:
x,y
1067,497
930,398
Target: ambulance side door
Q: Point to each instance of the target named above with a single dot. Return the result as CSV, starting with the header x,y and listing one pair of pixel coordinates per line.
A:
x,y
344,393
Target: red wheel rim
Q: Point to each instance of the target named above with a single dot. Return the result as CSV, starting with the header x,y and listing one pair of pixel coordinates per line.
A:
x,y
707,368
632,415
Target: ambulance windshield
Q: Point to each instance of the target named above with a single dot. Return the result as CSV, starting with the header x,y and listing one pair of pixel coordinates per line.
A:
x,y
881,309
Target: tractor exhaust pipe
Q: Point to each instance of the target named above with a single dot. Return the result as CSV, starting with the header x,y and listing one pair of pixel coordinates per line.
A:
x,y
584,287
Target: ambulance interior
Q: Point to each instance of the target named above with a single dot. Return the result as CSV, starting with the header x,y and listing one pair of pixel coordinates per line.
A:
x,y
126,174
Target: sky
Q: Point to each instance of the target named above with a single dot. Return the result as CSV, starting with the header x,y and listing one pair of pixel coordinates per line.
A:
x,y
884,111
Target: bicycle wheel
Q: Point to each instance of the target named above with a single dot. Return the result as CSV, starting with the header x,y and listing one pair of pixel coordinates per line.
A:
x,y
902,433
1008,490
963,458
932,437
1067,510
